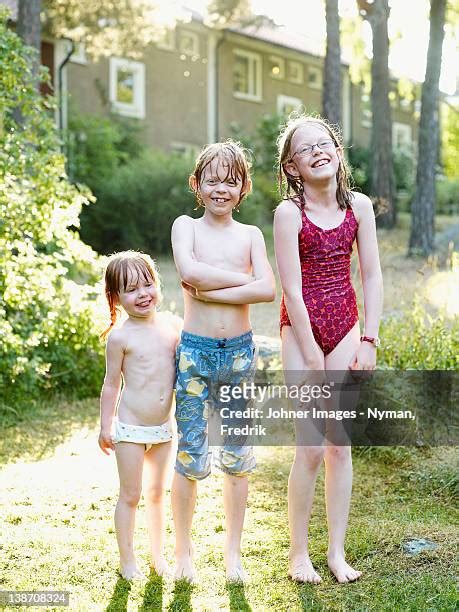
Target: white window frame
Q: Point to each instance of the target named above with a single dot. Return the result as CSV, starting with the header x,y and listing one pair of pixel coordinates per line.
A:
x,y
79,54
137,108
300,79
194,50
290,100
167,41
254,76
318,71
275,59
406,130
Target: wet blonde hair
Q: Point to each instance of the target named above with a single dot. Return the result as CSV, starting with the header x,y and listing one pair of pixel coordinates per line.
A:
x,y
116,277
291,187
229,153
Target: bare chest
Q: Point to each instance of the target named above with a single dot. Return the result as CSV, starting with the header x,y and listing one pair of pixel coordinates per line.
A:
x,y
229,250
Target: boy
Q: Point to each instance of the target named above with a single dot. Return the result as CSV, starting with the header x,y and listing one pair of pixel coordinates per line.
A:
x,y
224,268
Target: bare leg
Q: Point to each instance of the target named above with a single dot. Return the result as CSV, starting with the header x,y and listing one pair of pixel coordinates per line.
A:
x,y
130,459
301,485
157,461
235,491
183,504
338,475
302,479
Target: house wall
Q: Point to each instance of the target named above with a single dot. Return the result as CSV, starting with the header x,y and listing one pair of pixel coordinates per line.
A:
x,y
177,95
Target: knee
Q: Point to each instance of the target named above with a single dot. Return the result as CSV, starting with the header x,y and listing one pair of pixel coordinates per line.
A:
x,y
130,497
338,454
309,457
154,495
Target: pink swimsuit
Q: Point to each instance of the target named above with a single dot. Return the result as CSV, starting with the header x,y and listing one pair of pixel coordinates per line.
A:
x,y
325,258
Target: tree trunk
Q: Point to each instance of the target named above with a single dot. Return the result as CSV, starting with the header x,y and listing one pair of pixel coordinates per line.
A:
x,y
331,99
423,205
29,28
382,171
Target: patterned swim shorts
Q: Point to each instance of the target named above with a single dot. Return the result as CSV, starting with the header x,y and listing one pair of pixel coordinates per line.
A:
x,y
203,364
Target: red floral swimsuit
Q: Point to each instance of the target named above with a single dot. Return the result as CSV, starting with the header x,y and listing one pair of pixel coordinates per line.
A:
x,y
325,258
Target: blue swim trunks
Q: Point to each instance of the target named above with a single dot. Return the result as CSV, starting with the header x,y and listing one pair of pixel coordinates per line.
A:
x,y
203,364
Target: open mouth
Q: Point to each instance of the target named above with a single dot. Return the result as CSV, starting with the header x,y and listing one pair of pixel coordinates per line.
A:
x,y
220,200
320,162
144,304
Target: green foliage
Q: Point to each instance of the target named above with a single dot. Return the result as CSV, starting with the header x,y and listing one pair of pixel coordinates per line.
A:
x,y
403,163
416,340
450,141
447,196
137,205
46,318
97,146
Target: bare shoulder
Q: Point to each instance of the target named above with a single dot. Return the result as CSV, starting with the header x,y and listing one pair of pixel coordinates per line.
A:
x,y
117,339
362,206
183,222
287,212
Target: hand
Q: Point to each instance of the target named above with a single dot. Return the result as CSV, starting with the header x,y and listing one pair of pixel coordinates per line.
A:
x,y
105,441
365,358
189,289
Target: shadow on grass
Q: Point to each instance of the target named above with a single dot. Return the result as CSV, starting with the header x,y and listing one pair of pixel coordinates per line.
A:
x,y
34,433
237,600
182,596
153,595
120,596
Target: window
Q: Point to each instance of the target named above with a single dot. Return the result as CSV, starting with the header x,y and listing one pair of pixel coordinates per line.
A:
x,y
189,43
295,72
247,75
401,136
166,41
287,104
367,115
314,77
127,87
276,67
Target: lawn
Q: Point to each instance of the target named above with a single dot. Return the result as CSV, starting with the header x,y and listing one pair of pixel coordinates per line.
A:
x,y
59,493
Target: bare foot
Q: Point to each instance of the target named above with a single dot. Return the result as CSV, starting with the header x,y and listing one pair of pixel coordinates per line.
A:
x,y
131,572
160,566
302,570
342,571
234,569
184,568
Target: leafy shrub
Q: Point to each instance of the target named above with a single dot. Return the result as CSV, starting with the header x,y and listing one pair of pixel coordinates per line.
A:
x,y
447,196
137,206
46,316
417,340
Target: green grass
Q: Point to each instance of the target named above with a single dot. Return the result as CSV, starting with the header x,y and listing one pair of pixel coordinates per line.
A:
x,y
59,493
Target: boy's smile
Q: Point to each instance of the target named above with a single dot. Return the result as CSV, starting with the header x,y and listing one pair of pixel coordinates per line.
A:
x,y
139,297
220,190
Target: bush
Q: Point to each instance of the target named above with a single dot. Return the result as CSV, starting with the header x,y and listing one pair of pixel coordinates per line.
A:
x,y
136,206
404,170
46,317
447,196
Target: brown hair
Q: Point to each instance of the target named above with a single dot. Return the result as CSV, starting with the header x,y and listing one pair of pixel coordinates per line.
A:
x,y
116,277
292,186
231,154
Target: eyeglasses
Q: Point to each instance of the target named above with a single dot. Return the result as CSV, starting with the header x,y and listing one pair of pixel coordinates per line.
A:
x,y
307,150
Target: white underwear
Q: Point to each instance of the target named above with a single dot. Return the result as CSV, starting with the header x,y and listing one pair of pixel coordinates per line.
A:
x,y
141,434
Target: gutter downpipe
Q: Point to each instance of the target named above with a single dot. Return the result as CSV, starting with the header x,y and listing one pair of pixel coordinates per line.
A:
x,y
60,85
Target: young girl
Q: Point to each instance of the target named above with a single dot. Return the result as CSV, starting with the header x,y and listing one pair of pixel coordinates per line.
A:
x,y
314,231
140,354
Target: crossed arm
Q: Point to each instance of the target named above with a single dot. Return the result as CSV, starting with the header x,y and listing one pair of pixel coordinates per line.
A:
x,y
211,284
